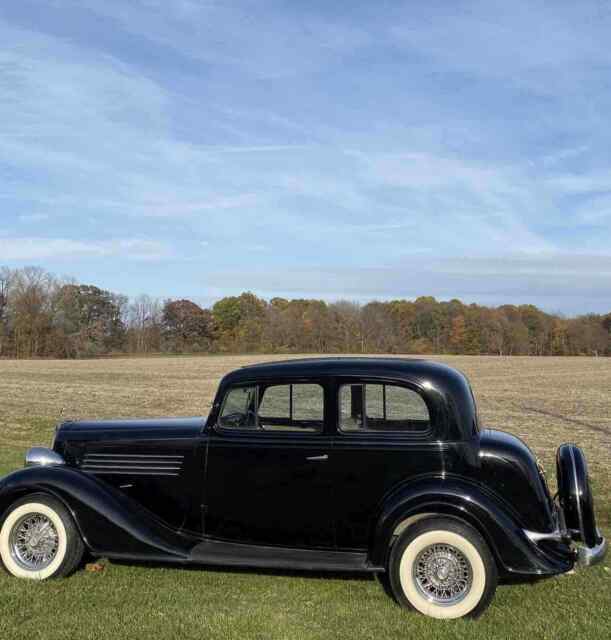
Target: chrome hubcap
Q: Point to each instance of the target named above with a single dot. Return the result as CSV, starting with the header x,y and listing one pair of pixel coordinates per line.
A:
x,y
442,574
34,542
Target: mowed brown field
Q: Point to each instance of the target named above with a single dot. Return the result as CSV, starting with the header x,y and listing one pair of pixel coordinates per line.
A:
x,y
545,401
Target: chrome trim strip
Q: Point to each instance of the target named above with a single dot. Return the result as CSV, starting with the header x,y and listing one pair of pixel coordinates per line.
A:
x,y
132,455
131,473
129,467
134,463
536,536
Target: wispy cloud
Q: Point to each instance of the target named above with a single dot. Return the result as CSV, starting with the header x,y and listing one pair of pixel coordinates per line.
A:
x,y
24,249
581,183
34,217
562,155
559,282
182,208
320,146
520,40
265,43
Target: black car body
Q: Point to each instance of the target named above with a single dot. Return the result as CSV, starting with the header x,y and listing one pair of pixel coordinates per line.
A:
x,y
318,464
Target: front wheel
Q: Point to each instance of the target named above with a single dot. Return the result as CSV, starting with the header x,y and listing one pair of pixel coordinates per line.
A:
x,y
443,568
39,540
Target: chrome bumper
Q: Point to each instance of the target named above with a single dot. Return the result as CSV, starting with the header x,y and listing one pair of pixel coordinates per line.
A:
x,y
587,556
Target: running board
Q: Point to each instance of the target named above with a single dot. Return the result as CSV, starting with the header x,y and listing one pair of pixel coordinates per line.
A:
x,y
244,555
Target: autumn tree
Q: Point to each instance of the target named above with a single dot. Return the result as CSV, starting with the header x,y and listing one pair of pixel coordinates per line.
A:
x,y
346,326
5,283
457,337
32,291
144,325
89,320
240,320
186,327
41,316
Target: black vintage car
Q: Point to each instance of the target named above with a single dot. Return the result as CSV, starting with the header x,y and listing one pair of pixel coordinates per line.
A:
x,y
343,464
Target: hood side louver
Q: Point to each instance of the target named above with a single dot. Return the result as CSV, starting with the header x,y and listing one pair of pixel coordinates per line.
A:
x,y
132,464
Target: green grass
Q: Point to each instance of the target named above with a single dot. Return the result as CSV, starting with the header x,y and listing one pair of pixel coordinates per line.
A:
x,y
140,601
137,601
144,602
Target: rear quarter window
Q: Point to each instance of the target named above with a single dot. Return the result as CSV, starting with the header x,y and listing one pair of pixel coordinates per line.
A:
x,y
382,408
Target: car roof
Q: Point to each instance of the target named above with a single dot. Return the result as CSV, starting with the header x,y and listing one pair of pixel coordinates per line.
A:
x,y
413,368
440,385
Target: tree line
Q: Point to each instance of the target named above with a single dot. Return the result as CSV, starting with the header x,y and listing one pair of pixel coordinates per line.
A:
x,y
45,316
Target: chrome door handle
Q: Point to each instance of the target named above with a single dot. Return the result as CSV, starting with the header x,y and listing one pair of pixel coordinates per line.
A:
x,y
317,458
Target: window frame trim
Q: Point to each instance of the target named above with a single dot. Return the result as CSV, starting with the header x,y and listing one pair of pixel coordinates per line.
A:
x,y
272,382
425,434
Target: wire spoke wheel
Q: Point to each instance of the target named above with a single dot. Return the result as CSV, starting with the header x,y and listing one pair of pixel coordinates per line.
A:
x,y
34,541
442,574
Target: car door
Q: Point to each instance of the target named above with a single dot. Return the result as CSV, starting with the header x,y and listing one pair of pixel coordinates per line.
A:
x,y
383,439
267,479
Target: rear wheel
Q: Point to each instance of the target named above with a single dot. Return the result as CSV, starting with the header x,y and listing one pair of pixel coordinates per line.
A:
x,y
39,540
443,569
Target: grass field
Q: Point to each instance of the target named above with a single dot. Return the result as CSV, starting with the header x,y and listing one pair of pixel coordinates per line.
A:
x,y
545,401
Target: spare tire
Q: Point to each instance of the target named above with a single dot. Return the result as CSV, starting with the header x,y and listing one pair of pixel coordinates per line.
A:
x,y
575,494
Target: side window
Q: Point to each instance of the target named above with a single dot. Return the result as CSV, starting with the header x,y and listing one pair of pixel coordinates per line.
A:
x,y
292,407
239,409
276,404
383,408
282,407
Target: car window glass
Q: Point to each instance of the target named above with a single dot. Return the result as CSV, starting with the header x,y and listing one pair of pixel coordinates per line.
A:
x,y
405,405
276,402
375,401
292,407
282,407
382,407
351,407
239,408
308,403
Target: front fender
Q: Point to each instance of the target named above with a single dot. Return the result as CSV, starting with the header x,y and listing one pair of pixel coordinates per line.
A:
x,y
514,552
109,522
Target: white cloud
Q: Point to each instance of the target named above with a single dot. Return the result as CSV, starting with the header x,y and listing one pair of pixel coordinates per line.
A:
x,y
180,208
34,217
259,40
596,210
421,170
37,248
562,155
521,42
478,133
462,204
555,281
581,183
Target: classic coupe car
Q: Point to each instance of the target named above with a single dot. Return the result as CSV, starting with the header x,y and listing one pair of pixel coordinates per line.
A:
x,y
343,464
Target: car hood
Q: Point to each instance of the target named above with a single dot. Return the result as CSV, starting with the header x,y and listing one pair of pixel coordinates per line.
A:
x,y
172,427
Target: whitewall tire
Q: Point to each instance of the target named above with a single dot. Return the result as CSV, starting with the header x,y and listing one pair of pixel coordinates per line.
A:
x,y
39,540
443,568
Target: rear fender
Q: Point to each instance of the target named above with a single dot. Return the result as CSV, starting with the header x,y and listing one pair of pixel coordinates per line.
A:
x,y
513,551
109,522
575,494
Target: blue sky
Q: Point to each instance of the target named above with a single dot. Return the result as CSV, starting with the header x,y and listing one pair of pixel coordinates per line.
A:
x,y
321,149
